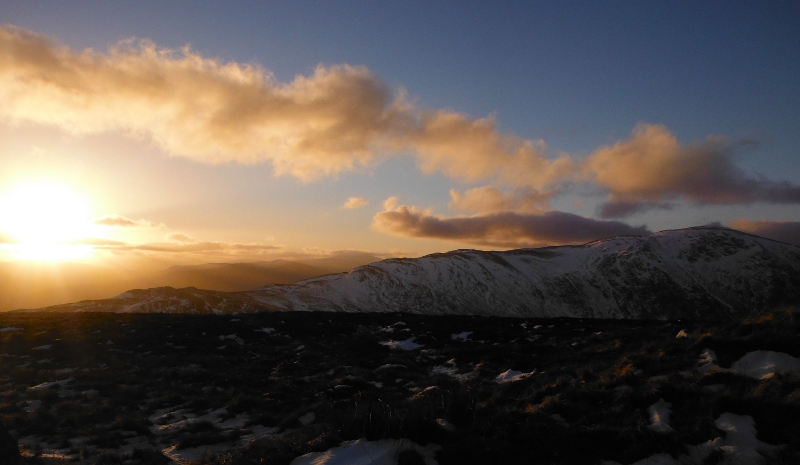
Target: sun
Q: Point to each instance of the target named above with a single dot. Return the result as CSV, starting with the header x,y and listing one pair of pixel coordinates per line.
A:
x,y
44,221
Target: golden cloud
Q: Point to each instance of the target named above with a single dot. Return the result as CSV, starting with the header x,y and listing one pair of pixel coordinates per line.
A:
x,y
355,202
338,119
487,199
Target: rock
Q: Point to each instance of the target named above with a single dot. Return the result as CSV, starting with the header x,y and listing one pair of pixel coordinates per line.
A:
x,y
9,450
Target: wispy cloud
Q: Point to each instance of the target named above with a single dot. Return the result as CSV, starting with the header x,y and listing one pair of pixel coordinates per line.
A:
x,y
784,231
651,169
337,119
355,202
177,242
98,242
118,221
500,229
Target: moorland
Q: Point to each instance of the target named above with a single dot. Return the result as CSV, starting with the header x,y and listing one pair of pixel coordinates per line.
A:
x,y
104,388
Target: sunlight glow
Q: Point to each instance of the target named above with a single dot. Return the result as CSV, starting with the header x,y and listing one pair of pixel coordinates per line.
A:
x,y
44,218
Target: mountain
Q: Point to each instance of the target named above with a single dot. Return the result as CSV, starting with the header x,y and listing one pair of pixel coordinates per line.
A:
x,y
169,300
702,273
705,273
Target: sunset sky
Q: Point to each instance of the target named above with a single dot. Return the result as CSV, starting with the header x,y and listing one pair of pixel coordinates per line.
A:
x,y
187,132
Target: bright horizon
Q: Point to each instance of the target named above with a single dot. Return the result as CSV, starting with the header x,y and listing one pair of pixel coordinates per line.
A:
x,y
149,134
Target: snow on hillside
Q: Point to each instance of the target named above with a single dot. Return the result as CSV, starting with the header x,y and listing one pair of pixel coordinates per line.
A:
x,y
699,273
690,273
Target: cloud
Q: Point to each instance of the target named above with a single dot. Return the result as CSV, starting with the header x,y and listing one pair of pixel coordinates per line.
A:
x,y
501,229
651,168
180,237
205,246
784,231
490,199
355,202
620,209
98,242
118,221
337,119
177,242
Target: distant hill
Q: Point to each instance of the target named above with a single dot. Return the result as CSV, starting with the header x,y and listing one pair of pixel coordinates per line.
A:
x,y
235,276
247,276
25,285
38,284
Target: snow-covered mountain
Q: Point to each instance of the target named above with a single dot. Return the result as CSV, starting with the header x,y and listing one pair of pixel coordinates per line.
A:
x,y
704,272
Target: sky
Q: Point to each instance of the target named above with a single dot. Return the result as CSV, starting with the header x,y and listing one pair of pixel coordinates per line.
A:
x,y
184,132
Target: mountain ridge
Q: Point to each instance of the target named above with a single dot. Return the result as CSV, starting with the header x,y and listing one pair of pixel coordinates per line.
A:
x,y
699,273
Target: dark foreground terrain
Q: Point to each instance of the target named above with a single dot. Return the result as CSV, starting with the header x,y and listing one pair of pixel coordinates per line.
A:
x,y
269,387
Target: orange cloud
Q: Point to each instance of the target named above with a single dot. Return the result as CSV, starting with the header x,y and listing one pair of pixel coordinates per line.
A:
x,y
338,119
500,229
784,231
490,199
355,202
651,168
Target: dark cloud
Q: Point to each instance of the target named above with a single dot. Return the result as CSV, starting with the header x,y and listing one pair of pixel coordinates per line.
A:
x,y
623,209
503,229
784,231
651,168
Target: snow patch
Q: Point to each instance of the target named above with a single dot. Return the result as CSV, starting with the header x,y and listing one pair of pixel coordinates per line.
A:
x,y
233,337
509,376
10,328
50,384
763,364
659,417
408,344
390,365
707,361
446,425
307,419
740,444
463,336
